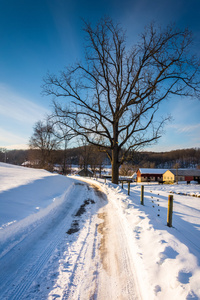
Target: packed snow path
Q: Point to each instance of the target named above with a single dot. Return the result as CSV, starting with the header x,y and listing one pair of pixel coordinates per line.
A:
x,y
78,251
117,279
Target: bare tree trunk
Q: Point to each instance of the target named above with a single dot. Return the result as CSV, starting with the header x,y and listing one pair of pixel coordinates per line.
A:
x,y
115,155
115,164
115,151
65,159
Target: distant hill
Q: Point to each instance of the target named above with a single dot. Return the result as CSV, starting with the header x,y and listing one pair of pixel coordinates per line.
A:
x,y
185,158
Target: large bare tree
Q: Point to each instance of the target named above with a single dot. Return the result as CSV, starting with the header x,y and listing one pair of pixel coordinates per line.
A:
x,y
113,96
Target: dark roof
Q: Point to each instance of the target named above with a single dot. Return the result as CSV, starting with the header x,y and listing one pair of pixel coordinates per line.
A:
x,y
85,172
185,172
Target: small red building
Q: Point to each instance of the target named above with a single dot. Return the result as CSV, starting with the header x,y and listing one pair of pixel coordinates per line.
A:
x,y
150,175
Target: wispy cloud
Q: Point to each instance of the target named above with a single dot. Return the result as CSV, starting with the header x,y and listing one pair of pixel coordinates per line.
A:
x,y
11,139
189,128
185,128
17,118
178,136
19,108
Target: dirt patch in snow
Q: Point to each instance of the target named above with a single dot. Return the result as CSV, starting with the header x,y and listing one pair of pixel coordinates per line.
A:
x,y
102,229
81,210
74,227
75,224
99,192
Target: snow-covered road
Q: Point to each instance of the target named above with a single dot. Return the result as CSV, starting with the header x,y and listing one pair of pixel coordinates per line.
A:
x,y
78,251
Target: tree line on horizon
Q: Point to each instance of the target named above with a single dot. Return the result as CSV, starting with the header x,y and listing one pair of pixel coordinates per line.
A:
x,y
88,157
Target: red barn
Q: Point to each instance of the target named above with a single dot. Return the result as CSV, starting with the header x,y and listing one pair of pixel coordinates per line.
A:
x,y
150,175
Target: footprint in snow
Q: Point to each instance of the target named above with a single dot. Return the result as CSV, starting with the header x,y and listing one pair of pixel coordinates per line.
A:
x,y
169,252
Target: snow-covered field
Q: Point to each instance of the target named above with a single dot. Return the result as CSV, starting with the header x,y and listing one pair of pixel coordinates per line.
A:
x,y
74,238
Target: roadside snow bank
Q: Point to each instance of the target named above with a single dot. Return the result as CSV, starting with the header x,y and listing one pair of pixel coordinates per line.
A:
x,y
24,191
12,176
167,259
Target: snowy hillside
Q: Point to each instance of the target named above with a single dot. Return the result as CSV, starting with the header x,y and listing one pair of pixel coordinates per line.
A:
x,y
24,191
74,238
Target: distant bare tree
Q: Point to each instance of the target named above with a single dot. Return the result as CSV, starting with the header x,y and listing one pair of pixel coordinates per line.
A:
x,y
176,166
126,170
96,160
3,154
84,158
114,95
46,142
64,135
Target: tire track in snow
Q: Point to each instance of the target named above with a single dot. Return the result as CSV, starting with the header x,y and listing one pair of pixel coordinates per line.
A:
x,y
78,264
86,263
20,281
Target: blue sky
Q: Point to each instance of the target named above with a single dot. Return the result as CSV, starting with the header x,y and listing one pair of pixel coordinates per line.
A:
x,y
45,35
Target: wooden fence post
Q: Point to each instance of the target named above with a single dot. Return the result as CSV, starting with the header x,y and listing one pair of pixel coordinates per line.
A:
x,y
129,188
142,195
170,210
122,184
